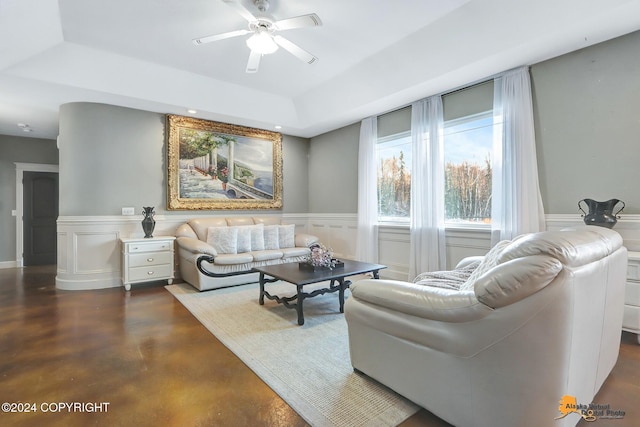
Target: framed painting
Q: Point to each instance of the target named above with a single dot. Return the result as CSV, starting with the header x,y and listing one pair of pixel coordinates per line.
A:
x,y
212,165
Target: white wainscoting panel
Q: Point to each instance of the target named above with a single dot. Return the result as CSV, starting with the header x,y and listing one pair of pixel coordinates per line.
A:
x,y
628,226
89,247
335,231
338,231
393,251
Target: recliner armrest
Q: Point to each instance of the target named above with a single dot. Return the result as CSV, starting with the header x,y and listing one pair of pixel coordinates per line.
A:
x,y
422,301
196,246
514,280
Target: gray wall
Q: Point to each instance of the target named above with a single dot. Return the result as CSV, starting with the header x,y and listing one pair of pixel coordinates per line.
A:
x,y
112,157
333,171
13,150
295,159
587,113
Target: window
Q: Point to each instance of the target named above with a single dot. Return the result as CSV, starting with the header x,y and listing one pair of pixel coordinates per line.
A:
x,y
468,144
394,177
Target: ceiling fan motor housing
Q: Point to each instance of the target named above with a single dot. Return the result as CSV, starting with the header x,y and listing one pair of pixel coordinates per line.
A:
x,y
262,5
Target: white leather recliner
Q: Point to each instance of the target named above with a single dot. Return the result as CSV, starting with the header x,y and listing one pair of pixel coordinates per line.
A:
x,y
540,318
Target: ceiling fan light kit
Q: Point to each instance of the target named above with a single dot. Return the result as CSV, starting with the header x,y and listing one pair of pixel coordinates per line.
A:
x,y
262,42
263,39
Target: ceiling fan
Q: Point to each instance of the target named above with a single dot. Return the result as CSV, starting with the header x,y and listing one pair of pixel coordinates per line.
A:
x,y
263,29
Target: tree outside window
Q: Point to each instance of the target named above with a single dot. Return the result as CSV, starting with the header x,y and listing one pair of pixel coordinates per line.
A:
x,y
468,146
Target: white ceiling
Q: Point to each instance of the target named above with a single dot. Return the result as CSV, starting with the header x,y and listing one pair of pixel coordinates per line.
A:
x,y
374,55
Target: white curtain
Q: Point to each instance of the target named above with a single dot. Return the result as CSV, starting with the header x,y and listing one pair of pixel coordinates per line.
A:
x,y
367,233
516,205
428,251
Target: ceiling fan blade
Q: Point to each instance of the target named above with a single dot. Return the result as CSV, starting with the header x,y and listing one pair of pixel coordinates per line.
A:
x,y
295,50
254,62
243,11
310,20
216,37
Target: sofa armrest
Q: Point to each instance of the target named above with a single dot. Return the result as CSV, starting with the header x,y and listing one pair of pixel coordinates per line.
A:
x,y
196,246
427,302
305,240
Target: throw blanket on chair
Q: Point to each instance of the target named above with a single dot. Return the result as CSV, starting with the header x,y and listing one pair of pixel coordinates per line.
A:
x,y
452,279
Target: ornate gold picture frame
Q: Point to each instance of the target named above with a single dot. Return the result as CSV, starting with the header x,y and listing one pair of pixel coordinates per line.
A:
x,y
212,165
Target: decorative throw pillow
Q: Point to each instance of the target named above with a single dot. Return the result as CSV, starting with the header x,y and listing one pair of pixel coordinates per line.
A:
x,y
244,238
223,239
257,237
271,237
286,236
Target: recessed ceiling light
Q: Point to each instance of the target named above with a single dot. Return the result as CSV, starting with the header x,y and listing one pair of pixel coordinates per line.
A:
x,y
23,125
278,127
192,111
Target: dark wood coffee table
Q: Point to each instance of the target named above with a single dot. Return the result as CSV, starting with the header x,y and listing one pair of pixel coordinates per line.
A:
x,y
292,273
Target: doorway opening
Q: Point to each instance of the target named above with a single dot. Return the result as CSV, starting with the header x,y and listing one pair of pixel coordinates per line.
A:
x,y
36,214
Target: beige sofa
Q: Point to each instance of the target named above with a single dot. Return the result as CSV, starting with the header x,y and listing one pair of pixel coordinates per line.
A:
x,y
539,318
217,252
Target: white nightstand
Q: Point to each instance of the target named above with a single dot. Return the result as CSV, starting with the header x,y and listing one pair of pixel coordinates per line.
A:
x,y
631,320
147,259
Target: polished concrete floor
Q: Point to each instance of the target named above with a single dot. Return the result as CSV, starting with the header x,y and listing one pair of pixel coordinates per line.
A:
x,y
115,358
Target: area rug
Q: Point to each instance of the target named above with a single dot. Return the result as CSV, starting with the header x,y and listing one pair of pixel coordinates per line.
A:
x,y
308,365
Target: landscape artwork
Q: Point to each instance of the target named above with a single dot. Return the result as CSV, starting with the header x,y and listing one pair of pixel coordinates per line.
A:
x,y
214,165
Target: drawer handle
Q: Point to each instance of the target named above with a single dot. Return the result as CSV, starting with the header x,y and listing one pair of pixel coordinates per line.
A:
x,y
150,273
150,259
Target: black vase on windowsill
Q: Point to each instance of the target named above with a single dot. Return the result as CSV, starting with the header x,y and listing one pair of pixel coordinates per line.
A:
x,y
148,223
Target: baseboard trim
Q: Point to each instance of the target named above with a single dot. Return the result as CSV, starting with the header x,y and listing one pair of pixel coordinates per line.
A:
x,y
9,264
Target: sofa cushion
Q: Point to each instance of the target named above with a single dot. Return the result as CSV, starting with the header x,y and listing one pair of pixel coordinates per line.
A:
x,y
223,239
266,255
232,259
572,247
286,236
266,220
271,238
294,252
239,220
201,225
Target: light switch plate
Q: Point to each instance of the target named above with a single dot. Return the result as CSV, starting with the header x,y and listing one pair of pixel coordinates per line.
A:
x,y
128,211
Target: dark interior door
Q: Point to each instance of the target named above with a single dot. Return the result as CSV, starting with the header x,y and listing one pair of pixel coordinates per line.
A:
x,y
40,208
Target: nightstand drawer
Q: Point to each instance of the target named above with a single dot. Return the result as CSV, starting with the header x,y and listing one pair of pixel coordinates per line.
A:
x,y
152,272
149,246
150,258
633,267
632,294
631,318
